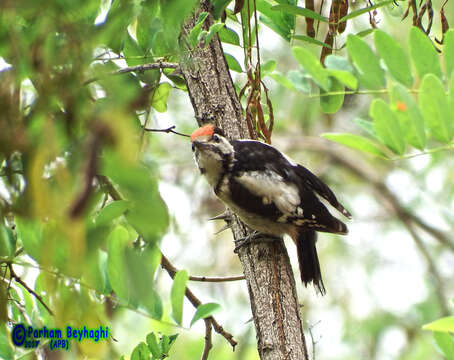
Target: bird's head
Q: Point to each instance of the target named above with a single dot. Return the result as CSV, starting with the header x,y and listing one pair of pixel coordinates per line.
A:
x,y
212,151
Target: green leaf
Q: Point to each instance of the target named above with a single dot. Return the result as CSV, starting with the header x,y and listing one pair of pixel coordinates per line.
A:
x,y
410,118
173,338
6,350
233,63
268,67
443,324
140,352
448,52
214,29
386,125
197,29
219,7
7,242
312,65
177,295
281,79
330,104
227,35
423,53
433,103
160,96
311,40
356,142
296,10
165,344
148,212
283,23
336,62
394,57
116,267
445,343
359,12
299,81
451,99
133,53
153,346
366,62
366,125
204,310
153,304
173,13
141,267
145,24
117,21
365,33
111,211
346,78
30,232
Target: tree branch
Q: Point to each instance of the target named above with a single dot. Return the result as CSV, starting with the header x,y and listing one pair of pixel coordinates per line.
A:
x,y
171,270
216,279
266,266
438,284
208,344
140,69
167,130
145,67
26,287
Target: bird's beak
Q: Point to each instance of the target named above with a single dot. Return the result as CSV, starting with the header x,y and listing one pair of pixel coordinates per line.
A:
x,y
198,144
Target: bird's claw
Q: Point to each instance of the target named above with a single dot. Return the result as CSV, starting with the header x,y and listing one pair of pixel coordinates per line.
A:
x,y
225,227
224,216
255,236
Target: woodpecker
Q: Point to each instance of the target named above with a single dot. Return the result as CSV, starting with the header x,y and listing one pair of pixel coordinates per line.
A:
x,y
270,193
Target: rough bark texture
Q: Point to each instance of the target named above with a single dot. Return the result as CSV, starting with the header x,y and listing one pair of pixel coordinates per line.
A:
x,y
266,265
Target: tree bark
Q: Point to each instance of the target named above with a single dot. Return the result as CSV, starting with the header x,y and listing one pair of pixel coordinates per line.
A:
x,y
266,265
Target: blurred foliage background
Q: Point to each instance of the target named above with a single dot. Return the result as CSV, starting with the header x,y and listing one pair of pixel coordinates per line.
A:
x,y
89,199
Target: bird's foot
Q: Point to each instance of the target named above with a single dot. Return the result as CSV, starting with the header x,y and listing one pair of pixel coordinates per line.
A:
x,y
255,236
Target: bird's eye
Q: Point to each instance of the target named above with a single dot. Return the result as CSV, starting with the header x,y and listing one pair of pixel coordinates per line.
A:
x,y
216,138
193,147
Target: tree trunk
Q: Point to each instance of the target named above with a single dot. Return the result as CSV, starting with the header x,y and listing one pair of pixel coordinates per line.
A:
x,y
266,265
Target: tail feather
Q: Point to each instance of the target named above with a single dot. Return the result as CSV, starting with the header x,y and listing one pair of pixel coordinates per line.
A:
x,y
308,260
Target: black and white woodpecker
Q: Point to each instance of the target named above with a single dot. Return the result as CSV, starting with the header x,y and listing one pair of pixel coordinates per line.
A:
x,y
270,193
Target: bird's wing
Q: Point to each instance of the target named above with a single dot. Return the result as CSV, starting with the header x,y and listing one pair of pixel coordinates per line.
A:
x,y
267,183
321,189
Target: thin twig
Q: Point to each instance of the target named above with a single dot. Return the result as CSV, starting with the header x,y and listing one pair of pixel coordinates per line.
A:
x,y
145,67
171,270
167,130
26,287
216,279
208,343
139,69
109,187
313,341
425,152
438,283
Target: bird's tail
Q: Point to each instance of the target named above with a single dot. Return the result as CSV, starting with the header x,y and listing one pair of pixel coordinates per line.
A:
x,y
308,260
